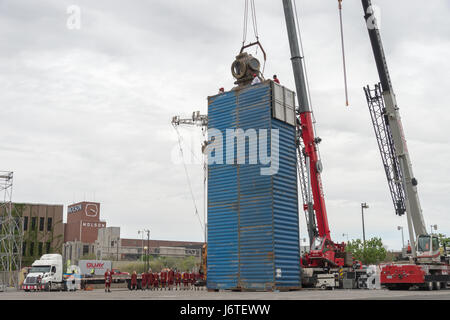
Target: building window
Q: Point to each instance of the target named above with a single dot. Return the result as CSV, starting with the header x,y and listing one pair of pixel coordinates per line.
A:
x,y
49,224
32,249
41,224
47,249
33,223
85,250
40,245
24,248
25,223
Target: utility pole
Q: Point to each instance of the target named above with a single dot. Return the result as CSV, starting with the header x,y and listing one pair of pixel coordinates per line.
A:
x,y
433,226
142,251
364,206
147,263
117,244
345,234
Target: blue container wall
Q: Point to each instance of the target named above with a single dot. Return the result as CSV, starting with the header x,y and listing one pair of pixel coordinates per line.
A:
x,y
253,237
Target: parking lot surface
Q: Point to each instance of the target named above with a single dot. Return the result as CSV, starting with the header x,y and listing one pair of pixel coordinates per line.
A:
x,y
124,294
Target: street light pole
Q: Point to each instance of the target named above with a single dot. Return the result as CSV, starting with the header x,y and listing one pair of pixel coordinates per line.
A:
x,y
142,252
364,206
403,239
345,234
117,244
147,263
433,226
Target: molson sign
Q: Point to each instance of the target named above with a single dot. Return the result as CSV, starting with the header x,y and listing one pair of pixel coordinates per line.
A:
x,y
99,266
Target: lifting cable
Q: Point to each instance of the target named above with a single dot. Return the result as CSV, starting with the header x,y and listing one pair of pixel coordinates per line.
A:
x,y
254,25
244,36
343,53
188,179
254,21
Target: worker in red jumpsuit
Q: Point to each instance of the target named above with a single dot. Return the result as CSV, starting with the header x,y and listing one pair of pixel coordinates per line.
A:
x,y
156,281
177,280
164,278
185,279
170,278
134,281
190,279
193,278
108,280
150,280
275,79
144,281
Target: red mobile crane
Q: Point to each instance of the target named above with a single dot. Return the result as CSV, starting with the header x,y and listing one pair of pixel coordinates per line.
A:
x,y
428,268
323,251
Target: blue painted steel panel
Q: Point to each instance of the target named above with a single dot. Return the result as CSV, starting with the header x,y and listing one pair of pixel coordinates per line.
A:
x,y
253,234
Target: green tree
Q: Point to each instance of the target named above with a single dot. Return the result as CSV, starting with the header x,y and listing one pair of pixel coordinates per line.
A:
x,y
444,241
372,252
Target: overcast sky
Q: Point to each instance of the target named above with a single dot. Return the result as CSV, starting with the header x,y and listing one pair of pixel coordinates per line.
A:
x,y
85,113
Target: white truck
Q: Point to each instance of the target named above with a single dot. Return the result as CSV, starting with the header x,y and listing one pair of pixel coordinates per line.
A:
x,y
45,274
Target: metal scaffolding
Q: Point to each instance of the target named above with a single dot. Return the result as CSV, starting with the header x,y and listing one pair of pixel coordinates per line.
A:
x,y
11,233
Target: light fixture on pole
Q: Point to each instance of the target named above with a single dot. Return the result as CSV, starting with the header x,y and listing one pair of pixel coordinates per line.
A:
x,y
142,252
364,206
147,263
345,234
433,226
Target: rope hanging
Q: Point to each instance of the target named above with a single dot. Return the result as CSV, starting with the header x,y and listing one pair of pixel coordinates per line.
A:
x,y
188,179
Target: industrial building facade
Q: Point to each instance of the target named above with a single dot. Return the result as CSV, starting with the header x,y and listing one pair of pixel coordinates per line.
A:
x,y
110,246
43,229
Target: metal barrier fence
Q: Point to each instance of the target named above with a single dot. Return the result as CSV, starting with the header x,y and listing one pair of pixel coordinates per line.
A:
x,y
9,280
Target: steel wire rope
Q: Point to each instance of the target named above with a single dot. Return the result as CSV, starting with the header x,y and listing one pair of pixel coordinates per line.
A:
x,y
188,178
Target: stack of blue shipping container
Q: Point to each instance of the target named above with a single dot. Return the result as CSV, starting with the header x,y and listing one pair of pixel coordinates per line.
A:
x,y
253,227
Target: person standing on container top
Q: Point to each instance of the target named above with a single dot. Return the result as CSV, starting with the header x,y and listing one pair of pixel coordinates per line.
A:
x,y
134,281
275,79
108,280
221,90
256,79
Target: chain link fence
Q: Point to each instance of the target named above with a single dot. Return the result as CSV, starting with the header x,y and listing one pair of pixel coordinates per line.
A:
x,y
10,280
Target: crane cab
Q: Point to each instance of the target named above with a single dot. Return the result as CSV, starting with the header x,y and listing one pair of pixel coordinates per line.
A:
x,y
428,250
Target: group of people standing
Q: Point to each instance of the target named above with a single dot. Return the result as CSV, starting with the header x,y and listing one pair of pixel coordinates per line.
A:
x,y
167,279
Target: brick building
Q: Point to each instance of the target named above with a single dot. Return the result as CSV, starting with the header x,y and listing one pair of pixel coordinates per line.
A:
x,y
83,222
